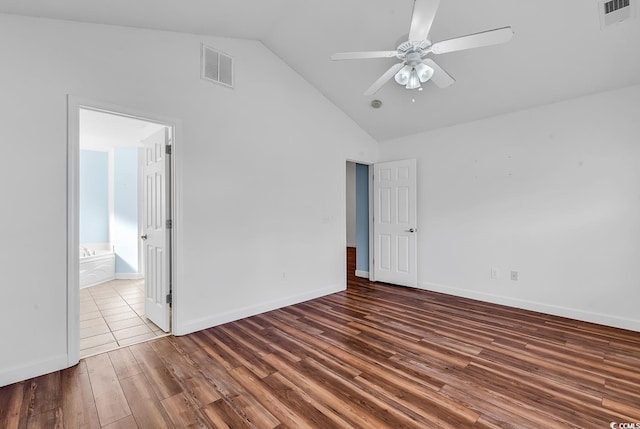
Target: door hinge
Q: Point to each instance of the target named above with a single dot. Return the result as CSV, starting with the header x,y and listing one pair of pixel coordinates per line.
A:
x,y
167,149
169,224
169,298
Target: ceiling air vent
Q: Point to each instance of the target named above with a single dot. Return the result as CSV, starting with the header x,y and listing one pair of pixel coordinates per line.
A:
x,y
615,11
216,66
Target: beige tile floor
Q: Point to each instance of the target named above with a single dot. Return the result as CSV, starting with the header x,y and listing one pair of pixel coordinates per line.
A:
x,y
112,316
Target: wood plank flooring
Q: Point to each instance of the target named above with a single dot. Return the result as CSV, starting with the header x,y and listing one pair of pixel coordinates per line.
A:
x,y
375,356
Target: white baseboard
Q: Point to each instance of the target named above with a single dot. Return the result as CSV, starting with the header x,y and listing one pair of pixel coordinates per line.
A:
x,y
108,279
556,310
32,369
129,276
252,310
364,274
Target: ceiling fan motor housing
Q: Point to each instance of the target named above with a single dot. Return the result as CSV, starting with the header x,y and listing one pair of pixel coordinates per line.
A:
x,y
413,58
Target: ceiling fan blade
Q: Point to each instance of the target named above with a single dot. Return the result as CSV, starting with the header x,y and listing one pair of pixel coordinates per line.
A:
x,y
477,40
363,55
440,77
383,79
423,13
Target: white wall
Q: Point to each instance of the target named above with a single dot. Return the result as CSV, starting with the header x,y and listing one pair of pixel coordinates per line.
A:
x,y
351,204
259,228
552,192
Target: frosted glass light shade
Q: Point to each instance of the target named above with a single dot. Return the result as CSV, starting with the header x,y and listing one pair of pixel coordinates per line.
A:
x,y
402,77
414,80
424,72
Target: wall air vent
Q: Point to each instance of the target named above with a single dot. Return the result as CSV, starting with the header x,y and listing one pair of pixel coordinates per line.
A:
x,y
613,5
614,11
216,66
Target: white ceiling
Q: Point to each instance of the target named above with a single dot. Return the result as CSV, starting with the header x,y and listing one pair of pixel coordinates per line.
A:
x,y
241,19
104,131
558,50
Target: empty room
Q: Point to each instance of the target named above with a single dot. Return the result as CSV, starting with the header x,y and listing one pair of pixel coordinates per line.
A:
x,y
324,214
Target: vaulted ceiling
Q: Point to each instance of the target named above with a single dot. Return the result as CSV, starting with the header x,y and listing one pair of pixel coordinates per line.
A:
x,y
558,51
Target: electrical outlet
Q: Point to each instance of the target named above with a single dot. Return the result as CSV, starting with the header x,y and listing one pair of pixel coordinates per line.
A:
x,y
495,274
514,275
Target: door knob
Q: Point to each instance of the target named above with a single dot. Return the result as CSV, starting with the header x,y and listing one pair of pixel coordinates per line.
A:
x,y
412,230
144,237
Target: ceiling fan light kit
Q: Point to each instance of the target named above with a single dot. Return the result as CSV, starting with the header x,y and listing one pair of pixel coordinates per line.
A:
x,y
415,68
411,76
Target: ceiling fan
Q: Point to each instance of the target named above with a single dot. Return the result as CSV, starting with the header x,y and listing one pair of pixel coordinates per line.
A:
x,y
415,68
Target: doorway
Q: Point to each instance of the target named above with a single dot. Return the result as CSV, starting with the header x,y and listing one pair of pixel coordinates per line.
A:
x,y
358,220
119,194
382,222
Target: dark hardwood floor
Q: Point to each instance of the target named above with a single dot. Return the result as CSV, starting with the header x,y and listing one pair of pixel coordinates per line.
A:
x,y
374,356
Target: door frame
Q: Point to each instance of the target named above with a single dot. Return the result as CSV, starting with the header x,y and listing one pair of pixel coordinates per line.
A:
x,y
74,104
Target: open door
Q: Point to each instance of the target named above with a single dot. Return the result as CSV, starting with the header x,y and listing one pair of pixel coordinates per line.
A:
x,y
395,223
155,231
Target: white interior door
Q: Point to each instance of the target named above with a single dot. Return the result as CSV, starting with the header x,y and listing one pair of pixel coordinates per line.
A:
x,y
155,234
395,222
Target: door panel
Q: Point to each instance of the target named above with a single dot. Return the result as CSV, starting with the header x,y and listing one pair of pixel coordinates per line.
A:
x,y
404,245
395,222
385,252
156,236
